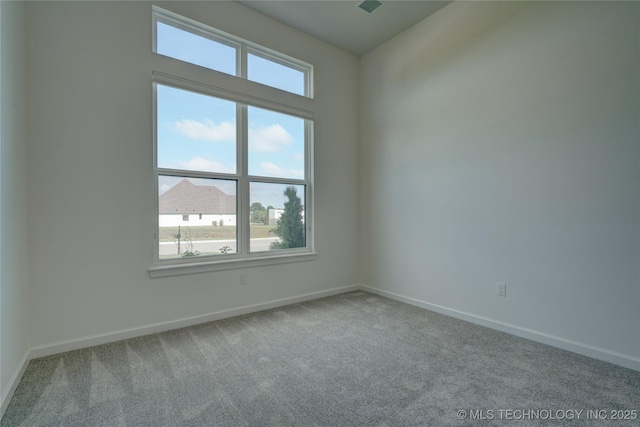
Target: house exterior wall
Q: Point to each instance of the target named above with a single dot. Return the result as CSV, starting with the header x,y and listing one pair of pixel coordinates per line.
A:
x,y
274,216
174,220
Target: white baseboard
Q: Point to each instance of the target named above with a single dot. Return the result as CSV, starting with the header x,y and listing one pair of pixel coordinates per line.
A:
x,y
61,347
7,393
89,341
616,358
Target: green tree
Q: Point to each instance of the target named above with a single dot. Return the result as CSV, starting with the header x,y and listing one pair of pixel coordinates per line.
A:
x,y
258,213
290,226
256,206
259,217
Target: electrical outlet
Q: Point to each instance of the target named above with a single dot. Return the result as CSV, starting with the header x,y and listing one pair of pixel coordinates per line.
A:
x,y
501,289
243,278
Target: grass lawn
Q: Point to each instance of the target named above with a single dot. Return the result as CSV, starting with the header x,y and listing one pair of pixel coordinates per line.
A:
x,y
208,232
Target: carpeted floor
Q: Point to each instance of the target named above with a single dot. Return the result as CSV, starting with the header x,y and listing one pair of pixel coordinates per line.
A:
x,y
354,359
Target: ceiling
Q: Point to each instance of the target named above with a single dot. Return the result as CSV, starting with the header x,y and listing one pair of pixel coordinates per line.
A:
x,y
342,24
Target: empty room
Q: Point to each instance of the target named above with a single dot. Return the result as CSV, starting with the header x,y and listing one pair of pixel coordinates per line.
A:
x,y
319,213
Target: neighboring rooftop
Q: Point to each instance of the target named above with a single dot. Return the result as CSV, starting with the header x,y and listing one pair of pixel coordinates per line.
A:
x,y
188,198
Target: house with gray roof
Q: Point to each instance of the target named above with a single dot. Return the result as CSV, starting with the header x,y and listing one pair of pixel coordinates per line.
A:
x,y
188,204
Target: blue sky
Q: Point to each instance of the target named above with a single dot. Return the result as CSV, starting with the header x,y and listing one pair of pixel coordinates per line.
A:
x,y
205,52
198,132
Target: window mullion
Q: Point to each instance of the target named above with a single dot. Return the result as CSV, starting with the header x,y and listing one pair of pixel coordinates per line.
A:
x,y
243,184
194,174
242,61
277,180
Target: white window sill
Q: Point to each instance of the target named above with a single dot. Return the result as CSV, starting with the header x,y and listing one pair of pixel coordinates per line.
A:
x,y
208,266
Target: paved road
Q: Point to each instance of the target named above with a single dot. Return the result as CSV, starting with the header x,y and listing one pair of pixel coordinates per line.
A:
x,y
213,246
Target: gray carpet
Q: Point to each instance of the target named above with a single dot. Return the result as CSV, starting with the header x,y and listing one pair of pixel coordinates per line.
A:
x,y
354,359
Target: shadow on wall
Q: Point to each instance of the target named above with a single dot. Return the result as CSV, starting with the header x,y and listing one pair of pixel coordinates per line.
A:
x,y
468,25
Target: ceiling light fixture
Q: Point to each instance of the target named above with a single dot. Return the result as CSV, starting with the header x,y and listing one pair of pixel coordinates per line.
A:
x,y
369,5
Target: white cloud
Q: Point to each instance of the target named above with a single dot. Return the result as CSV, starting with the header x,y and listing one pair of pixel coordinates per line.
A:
x,y
200,164
269,139
271,169
207,130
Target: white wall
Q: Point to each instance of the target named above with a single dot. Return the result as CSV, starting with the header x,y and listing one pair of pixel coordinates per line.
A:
x,y
91,194
14,342
508,133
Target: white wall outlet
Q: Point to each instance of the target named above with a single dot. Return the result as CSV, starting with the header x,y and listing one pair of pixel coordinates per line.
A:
x,y
243,278
501,289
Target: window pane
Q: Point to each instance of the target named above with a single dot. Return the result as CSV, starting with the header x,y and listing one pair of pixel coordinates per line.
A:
x,y
277,217
276,144
197,217
276,75
198,50
195,132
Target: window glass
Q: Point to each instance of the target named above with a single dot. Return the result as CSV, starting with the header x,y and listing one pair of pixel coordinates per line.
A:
x,y
195,132
209,206
276,75
198,50
277,216
276,144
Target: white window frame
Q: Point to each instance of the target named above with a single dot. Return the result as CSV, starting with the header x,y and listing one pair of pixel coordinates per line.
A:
x,y
243,258
243,47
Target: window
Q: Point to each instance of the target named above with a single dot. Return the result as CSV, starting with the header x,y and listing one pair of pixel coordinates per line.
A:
x,y
276,73
204,49
232,168
190,41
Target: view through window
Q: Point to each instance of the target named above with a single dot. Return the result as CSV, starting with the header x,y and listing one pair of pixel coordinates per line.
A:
x,y
233,179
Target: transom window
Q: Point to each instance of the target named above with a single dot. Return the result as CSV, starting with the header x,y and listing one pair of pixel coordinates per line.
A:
x,y
190,41
233,171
